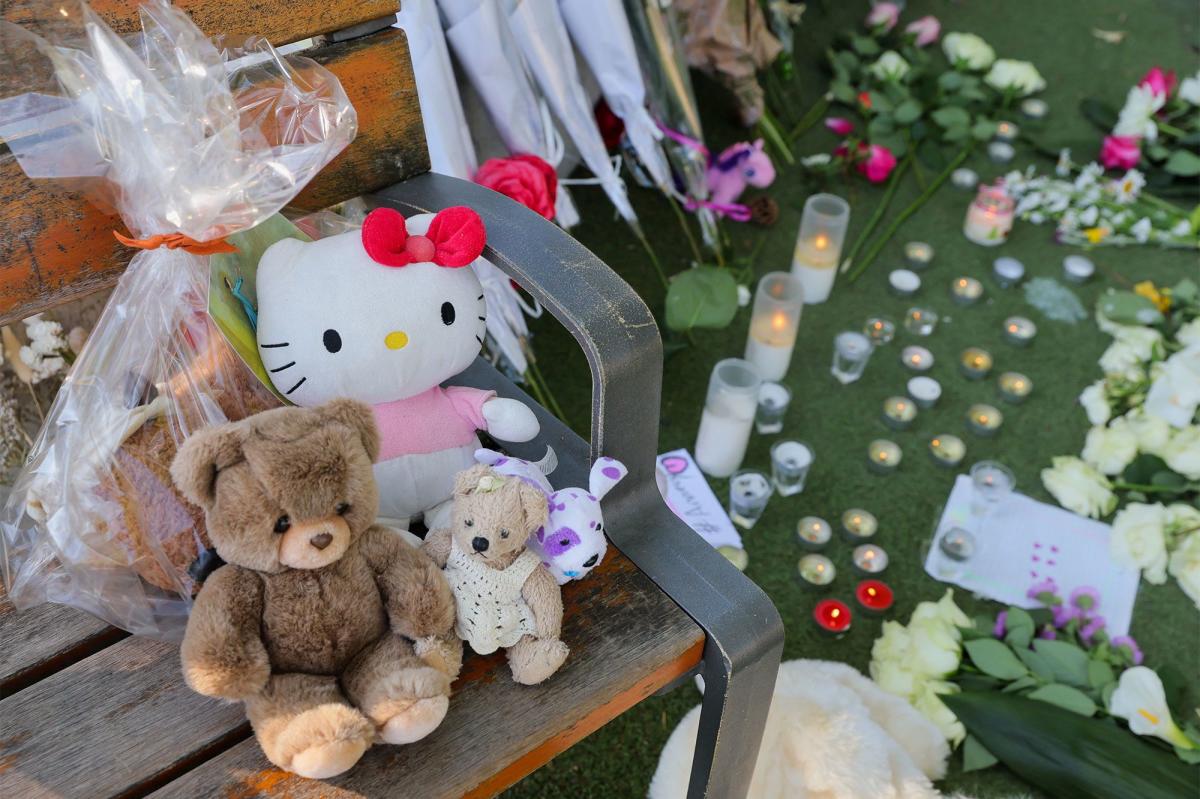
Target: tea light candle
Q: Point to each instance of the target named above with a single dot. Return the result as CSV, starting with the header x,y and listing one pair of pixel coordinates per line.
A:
x,y
990,215
984,420
728,417
918,254
904,282
869,559
925,391
851,351
975,363
883,456
964,178
957,544
735,555
1019,331
858,525
1008,271
773,324
816,572
1034,108
880,330
1001,152
965,290
1078,268
813,533
917,358
875,597
899,412
819,245
921,321
947,450
1007,131
1014,387
833,617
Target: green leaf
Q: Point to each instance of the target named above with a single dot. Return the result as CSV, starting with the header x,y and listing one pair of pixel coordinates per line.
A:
x,y
975,756
908,112
1106,693
865,45
1100,674
704,296
1157,152
1018,685
1099,113
931,155
896,142
956,133
1018,628
1127,308
1183,163
1068,662
951,116
843,92
880,126
880,104
950,81
1066,697
983,129
994,658
1036,663
1186,291
1141,470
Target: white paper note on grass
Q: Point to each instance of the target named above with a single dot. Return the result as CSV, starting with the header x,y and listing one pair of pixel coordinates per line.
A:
x,y
687,493
1025,542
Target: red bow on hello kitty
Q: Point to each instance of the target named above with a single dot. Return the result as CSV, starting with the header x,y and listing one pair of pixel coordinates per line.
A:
x,y
455,238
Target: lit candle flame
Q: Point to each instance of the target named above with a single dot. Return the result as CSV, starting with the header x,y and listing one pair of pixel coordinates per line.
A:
x,y
779,321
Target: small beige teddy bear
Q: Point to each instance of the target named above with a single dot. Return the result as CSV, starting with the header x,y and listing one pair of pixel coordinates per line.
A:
x,y
505,597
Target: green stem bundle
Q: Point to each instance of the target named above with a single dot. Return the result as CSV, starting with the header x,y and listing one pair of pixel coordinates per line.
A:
x,y
877,214
810,118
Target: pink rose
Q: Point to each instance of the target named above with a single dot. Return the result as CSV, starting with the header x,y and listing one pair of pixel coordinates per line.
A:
x,y
878,163
883,17
525,178
840,125
1161,83
926,30
1120,152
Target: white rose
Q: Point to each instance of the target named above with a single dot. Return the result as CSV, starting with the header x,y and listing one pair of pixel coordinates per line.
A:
x,y
1119,358
966,50
1137,540
894,677
1145,341
1152,433
892,643
1175,392
1078,487
1095,403
1137,116
1189,335
1110,449
946,611
1182,518
1189,90
935,650
890,66
1021,77
1185,566
1182,452
931,707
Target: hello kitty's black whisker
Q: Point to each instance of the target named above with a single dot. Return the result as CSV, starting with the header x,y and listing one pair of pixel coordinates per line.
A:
x,y
285,366
293,388
271,346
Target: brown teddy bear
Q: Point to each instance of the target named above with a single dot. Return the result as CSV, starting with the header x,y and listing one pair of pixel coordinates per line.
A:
x,y
505,596
330,628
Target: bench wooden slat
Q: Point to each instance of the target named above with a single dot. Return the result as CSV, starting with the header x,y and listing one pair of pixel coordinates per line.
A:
x,y
57,247
279,22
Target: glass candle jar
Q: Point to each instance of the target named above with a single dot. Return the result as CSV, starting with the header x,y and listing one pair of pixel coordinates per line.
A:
x,y
816,572
1078,268
880,330
904,282
1034,108
773,324
727,417
790,462
1008,271
859,525
917,358
984,420
773,401
875,597
883,456
749,491
1019,331
819,245
947,450
1014,387
964,178
869,559
833,617
921,321
1001,152
813,533
1007,131
990,216
851,351
965,290
975,363
957,544
918,255
735,555
925,391
992,482
899,412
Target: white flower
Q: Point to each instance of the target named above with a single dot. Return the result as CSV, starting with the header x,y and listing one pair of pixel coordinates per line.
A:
x,y
892,643
817,159
1144,341
743,295
1141,230
1184,566
1151,432
1020,77
1137,117
1078,487
893,677
1175,392
934,709
1063,167
890,66
1182,518
1138,540
1141,701
967,51
1127,189
1189,334
1095,403
1181,228
1189,90
1089,216
1110,449
1119,358
1182,452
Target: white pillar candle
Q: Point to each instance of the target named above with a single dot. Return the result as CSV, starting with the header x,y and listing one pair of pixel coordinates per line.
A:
x,y
774,323
819,245
728,417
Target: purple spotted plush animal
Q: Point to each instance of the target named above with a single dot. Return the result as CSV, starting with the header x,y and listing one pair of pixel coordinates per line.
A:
x,y
572,543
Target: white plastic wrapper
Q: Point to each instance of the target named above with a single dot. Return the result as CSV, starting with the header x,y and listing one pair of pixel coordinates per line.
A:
x,y
180,136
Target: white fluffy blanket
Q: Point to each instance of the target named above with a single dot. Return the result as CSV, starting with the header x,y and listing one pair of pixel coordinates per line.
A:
x,y
831,734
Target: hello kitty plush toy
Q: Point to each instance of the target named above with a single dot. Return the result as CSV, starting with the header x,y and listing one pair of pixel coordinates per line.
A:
x,y
386,315
572,542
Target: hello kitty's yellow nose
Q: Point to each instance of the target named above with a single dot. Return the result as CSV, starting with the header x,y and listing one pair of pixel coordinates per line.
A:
x,y
396,340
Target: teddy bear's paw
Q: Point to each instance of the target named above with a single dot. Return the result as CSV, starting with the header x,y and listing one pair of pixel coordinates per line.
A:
x,y
416,721
325,740
327,760
443,654
535,659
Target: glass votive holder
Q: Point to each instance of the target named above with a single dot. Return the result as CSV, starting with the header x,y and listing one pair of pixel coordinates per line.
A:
x,y
749,491
1034,108
790,462
1014,387
1001,152
984,420
819,245
989,218
899,412
965,290
883,456
975,363
774,322
917,358
957,544
728,417
904,282
815,572
1019,331
773,401
925,391
859,525
851,351
918,255
875,597
1007,131
813,533
947,450
735,555
880,330
1078,268
1008,271
832,617
921,321
992,482
869,559
964,178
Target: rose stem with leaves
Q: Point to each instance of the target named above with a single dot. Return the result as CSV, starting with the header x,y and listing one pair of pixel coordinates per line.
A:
x,y
771,133
687,231
810,118
877,214
658,269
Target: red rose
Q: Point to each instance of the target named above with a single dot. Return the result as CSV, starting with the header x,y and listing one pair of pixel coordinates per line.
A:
x,y
525,178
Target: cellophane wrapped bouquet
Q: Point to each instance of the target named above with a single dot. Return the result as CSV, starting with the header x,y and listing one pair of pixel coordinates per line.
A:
x,y
191,141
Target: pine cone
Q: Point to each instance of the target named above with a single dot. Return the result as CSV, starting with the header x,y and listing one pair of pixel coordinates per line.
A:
x,y
764,210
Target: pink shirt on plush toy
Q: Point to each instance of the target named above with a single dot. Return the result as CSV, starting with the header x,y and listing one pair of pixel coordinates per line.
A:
x,y
438,419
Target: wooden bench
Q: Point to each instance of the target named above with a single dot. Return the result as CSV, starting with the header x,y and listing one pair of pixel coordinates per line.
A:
x,y
86,710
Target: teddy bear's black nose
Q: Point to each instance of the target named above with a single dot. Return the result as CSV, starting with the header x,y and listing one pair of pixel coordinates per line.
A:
x,y
590,562
479,544
321,540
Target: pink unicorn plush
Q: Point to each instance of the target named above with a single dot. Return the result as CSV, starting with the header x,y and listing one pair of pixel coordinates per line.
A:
x,y
738,166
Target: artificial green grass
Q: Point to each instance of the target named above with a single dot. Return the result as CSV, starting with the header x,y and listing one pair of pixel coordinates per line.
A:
x,y
838,421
